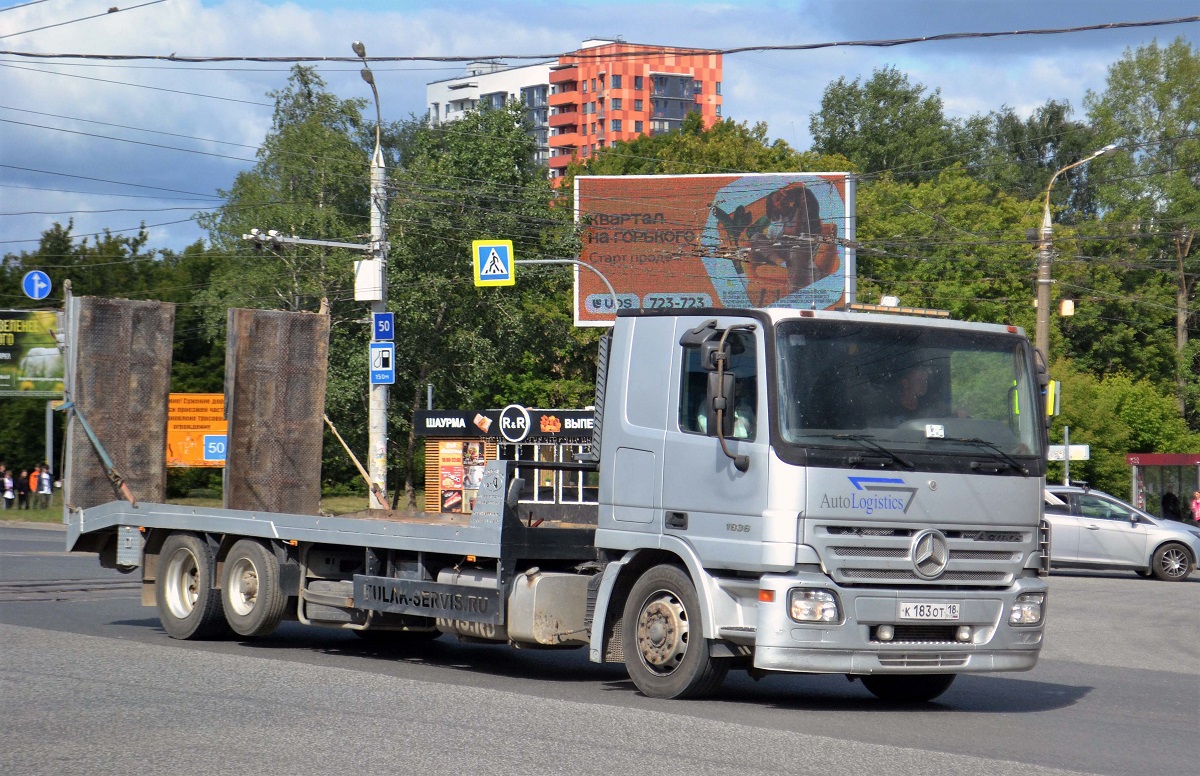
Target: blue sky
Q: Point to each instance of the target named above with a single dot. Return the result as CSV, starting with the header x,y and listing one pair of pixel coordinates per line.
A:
x,y
70,120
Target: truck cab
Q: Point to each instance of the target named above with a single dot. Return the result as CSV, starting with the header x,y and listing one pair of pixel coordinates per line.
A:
x,y
844,493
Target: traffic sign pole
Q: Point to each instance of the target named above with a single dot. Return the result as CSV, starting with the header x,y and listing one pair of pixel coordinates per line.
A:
x,y
378,400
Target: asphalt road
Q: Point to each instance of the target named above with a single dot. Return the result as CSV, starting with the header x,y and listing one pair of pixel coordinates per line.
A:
x,y
90,684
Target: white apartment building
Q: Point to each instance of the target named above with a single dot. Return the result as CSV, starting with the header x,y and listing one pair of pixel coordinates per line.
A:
x,y
494,84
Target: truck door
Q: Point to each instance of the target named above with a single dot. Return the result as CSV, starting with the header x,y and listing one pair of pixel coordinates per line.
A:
x,y
707,501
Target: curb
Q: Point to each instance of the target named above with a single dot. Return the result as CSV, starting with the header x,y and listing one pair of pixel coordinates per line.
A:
x,y
35,526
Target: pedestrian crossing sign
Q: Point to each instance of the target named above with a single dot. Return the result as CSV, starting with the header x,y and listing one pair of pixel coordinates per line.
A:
x,y
493,261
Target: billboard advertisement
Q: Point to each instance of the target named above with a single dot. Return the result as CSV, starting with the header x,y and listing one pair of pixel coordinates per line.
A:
x,y
196,430
693,241
30,362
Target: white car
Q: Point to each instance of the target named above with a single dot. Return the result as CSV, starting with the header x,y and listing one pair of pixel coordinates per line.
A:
x,y
1091,529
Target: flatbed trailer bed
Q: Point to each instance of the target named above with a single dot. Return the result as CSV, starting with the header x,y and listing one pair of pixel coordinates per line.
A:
x,y
493,530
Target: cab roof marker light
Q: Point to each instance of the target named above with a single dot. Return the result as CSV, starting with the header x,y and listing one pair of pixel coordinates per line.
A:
x,y
857,307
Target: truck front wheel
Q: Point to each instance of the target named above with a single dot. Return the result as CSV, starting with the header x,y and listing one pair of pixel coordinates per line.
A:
x,y
188,606
907,688
254,599
666,653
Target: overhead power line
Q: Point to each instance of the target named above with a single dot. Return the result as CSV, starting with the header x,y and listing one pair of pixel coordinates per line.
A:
x,y
140,86
641,51
22,5
105,180
112,10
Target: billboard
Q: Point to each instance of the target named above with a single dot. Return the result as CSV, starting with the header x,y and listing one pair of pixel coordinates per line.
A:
x,y
196,429
693,241
30,362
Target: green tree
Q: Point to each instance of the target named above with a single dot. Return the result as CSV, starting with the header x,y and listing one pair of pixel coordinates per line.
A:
x,y
1151,108
946,243
1115,415
476,179
1122,307
1019,155
111,265
310,181
726,146
886,123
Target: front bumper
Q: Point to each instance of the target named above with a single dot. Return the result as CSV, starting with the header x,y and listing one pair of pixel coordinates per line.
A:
x,y
853,646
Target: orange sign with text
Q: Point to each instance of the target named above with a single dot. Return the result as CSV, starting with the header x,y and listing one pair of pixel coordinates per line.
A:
x,y
196,429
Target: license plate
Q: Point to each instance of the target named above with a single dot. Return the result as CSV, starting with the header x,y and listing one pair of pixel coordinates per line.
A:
x,y
928,611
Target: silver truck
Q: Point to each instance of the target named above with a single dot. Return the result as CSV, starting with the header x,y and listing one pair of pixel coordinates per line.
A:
x,y
780,491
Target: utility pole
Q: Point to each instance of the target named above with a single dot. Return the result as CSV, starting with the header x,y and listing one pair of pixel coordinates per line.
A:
x,y
1041,336
370,284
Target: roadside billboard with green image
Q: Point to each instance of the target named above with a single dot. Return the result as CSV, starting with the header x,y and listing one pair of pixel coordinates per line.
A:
x,y
31,363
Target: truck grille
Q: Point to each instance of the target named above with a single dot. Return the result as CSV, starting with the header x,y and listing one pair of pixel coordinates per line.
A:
x,y
924,660
899,575
920,634
882,554
902,552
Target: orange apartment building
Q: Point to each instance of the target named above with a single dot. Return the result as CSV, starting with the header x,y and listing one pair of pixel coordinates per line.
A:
x,y
611,90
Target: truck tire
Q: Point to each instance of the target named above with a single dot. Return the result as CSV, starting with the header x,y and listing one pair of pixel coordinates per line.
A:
x,y
254,600
188,605
1172,563
666,653
907,688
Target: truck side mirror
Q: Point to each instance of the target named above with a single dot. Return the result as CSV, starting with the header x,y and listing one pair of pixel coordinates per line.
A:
x,y
722,395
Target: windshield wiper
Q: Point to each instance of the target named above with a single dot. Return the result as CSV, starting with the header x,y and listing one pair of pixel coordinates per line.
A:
x,y
1008,459
869,441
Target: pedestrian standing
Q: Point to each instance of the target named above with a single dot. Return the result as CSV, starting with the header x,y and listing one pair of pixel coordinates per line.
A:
x,y
22,487
1170,505
1196,506
34,479
44,486
10,495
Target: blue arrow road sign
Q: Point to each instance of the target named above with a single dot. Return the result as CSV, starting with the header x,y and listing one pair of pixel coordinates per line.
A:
x,y
36,284
383,363
385,326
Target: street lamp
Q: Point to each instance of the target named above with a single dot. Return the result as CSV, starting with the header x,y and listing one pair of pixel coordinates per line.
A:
x,y
1045,252
370,285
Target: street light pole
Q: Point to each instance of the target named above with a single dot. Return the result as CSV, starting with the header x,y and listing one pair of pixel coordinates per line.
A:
x,y
371,285
1041,337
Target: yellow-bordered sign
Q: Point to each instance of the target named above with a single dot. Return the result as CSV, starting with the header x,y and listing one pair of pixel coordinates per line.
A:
x,y
493,262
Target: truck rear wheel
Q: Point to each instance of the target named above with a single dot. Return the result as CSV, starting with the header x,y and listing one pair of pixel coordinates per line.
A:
x,y
666,653
254,600
907,688
188,606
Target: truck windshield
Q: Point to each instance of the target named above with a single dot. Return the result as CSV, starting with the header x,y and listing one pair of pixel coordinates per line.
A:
x,y
907,388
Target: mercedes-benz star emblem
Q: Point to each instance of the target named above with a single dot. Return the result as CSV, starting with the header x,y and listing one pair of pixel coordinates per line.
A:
x,y
930,554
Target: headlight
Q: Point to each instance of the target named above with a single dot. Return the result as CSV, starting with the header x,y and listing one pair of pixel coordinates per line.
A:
x,y
813,606
1027,610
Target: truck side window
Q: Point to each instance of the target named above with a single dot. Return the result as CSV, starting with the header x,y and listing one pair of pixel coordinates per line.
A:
x,y
693,396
